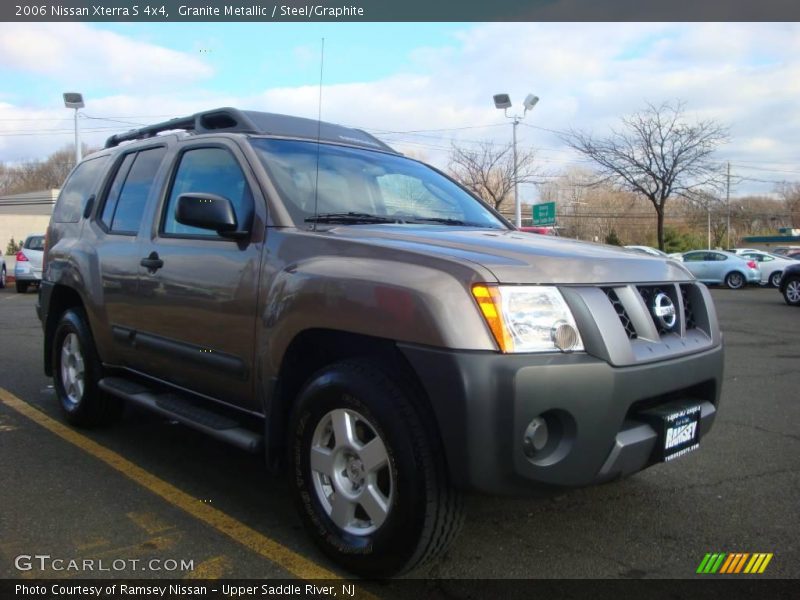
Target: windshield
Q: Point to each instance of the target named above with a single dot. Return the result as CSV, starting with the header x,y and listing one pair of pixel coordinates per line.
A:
x,y
360,186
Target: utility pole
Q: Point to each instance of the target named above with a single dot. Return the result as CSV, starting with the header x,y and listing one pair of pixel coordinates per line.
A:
x,y
728,201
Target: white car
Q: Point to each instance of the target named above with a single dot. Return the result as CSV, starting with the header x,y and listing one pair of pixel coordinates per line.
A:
x,y
28,269
771,265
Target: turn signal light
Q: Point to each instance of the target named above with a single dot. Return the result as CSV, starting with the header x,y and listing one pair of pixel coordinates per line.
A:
x,y
488,299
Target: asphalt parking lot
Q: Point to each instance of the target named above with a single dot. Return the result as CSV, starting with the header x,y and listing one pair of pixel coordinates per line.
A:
x,y
147,488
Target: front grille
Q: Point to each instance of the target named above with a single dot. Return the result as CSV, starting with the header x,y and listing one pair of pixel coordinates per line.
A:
x,y
638,326
648,294
621,312
688,310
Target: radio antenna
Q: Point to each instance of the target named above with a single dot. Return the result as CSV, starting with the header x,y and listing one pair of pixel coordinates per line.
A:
x,y
319,133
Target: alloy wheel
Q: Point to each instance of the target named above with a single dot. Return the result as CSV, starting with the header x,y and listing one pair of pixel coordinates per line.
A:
x,y
351,471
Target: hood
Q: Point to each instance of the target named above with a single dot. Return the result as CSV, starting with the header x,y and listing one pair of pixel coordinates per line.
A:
x,y
519,257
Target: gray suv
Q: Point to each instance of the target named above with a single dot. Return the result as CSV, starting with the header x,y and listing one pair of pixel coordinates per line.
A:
x,y
298,288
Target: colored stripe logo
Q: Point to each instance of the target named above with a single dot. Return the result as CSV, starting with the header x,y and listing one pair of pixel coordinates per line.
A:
x,y
734,563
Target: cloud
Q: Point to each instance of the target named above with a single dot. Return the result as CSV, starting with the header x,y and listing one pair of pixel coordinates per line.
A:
x,y
82,55
587,75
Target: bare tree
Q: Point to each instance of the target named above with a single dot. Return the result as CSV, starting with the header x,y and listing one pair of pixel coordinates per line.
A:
x,y
488,170
790,194
656,154
36,175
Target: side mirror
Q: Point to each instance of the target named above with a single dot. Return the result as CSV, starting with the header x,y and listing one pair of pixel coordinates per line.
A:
x,y
208,211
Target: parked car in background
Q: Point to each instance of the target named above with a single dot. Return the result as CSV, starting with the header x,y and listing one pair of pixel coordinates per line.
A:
x,y
772,266
722,268
792,252
649,250
3,272
676,256
540,230
28,269
789,285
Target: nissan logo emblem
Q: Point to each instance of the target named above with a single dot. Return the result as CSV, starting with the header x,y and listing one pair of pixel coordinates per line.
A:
x,y
664,310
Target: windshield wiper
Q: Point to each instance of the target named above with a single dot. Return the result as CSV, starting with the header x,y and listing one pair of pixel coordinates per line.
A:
x,y
349,217
442,220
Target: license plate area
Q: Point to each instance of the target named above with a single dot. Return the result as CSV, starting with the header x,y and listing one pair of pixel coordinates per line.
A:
x,y
678,429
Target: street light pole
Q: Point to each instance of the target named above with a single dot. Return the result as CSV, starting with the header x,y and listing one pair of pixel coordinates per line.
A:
x,y
75,100
77,140
517,205
503,102
728,202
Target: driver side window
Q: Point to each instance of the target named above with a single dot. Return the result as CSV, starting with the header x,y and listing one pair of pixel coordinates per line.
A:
x,y
210,171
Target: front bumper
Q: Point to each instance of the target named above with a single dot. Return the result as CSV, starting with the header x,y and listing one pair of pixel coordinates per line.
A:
x,y
484,401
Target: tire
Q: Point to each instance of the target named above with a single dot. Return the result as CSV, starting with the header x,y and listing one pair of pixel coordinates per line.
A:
x,y
735,280
2,278
76,371
397,514
22,287
775,279
791,291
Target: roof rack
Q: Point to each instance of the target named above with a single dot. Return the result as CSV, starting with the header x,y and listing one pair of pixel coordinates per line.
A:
x,y
232,120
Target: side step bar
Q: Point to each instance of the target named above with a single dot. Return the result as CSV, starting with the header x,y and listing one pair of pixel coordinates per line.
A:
x,y
185,410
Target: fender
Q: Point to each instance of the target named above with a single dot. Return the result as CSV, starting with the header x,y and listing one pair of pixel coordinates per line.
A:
x,y
371,296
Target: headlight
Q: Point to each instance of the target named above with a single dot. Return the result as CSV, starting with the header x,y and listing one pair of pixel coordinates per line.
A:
x,y
528,318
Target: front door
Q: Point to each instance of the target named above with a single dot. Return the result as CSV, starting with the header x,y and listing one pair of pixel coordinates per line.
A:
x,y
198,290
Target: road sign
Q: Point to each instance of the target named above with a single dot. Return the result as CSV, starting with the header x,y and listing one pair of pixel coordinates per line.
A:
x,y
544,214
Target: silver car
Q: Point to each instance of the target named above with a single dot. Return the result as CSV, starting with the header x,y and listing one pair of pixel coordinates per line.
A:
x,y
720,267
771,265
28,269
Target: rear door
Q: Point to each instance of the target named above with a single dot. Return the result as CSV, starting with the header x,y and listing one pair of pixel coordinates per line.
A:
x,y
115,230
33,248
196,309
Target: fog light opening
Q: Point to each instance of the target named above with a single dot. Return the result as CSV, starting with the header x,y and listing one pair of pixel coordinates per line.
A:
x,y
536,437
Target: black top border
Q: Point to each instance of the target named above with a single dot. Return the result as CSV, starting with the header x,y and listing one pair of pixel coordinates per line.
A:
x,y
154,11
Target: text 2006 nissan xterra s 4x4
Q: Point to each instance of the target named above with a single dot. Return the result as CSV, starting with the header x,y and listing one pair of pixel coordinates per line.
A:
x,y
299,288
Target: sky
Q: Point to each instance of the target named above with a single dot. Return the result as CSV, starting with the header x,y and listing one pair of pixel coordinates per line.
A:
x,y
419,87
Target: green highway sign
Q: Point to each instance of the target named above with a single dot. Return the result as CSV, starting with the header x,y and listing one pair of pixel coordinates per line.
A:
x,y
544,214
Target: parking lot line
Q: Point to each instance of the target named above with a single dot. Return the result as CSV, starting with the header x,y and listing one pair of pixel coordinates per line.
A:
x,y
273,551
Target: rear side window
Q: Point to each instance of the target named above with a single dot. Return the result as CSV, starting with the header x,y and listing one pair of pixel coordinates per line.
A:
x,y
210,171
77,189
127,197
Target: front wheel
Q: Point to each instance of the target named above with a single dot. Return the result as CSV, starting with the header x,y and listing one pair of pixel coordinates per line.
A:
x,y
734,280
791,293
367,471
76,371
775,279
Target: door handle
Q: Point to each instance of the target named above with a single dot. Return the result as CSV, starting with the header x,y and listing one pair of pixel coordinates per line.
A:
x,y
152,262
